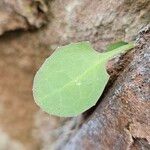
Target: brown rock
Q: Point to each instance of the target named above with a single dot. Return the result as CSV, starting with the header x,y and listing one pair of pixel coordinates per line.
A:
x,y
121,120
21,54
98,21
22,14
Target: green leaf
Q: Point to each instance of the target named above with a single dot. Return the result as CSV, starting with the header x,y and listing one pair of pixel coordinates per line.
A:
x,y
113,46
72,79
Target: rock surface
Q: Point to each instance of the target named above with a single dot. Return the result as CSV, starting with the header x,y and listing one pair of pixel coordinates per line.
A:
x,y
123,116
6,143
22,14
22,52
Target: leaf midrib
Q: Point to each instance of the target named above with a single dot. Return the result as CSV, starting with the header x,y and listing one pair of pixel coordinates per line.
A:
x,y
76,79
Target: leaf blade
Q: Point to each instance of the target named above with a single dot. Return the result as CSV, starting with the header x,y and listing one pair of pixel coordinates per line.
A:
x,y
71,80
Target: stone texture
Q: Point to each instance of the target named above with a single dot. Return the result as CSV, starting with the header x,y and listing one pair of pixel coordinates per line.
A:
x,y
97,21
6,143
22,14
18,63
122,118
22,52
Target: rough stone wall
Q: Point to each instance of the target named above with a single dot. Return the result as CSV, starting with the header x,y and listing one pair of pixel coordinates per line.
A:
x,y
122,117
22,124
22,14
